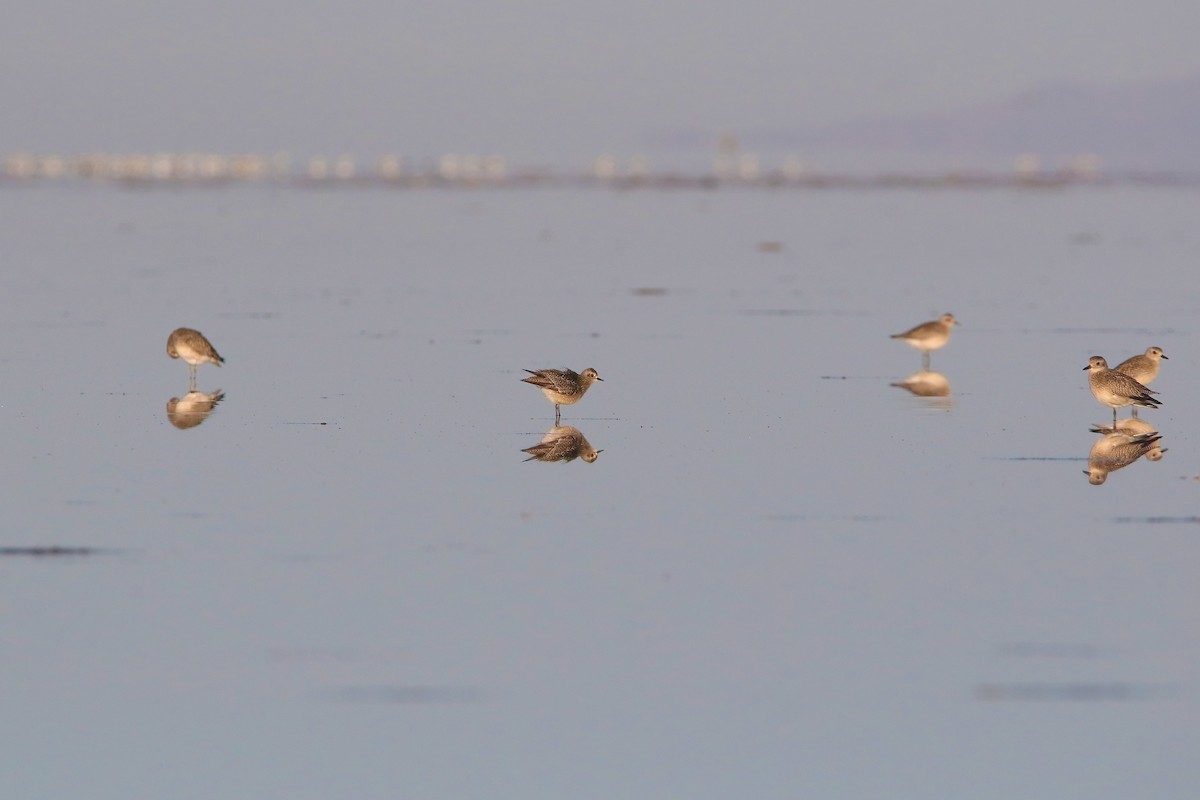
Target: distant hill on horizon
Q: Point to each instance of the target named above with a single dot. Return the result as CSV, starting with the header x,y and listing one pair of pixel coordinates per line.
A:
x,y
1152,125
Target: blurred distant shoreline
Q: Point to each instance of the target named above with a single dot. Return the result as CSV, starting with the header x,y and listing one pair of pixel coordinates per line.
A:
x,y
730,169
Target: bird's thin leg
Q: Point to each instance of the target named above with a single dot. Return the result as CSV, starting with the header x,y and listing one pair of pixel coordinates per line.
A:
x,y
925,359
192,377
1135,412
1114,419
557,414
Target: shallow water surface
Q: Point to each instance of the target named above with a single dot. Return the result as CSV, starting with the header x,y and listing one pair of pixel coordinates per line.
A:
x,y
780,573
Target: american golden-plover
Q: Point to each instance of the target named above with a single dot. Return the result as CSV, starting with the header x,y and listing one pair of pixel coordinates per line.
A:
x,y
1116,389
562,386
192,347
1143,368
928,335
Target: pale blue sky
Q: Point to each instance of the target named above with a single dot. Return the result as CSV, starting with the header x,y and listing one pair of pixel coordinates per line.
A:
x,y
538,80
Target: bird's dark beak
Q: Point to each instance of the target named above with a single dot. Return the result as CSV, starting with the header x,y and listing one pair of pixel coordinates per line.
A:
x,y
599,378
1089,366
1164,355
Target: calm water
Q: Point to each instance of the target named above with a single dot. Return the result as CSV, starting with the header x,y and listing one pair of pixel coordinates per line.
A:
x,y
782,577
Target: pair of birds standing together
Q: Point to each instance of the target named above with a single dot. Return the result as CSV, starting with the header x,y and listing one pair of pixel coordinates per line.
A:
x,y
1130,439
1125,384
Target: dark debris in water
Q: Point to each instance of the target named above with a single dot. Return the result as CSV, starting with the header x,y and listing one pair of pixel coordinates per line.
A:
x,y
649,291
50,551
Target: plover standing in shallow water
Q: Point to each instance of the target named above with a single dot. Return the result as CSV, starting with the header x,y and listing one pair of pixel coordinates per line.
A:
x,y
1116,389
192,347
562,386
1143,368
929,335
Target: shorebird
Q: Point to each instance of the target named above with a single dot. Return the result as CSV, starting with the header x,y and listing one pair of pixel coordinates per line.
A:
x,y
192,347
1116,389
1143,368
562,386
928,335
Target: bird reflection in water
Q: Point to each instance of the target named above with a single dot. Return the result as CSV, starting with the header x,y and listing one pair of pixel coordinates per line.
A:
x,y
1134,427
928,383
563,443
1117,449
193,408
